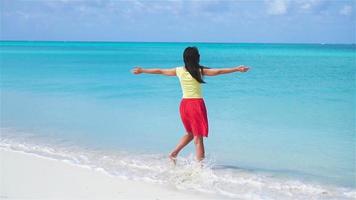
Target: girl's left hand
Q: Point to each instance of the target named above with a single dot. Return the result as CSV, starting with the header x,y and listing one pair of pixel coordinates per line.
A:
x,y
137,70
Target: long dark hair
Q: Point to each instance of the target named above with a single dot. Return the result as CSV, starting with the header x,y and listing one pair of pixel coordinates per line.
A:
x,y
191,60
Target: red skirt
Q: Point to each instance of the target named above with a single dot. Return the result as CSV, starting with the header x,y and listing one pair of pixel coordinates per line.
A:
x,y
194,116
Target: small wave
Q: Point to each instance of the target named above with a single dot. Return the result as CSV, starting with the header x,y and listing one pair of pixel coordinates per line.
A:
x,y
228,182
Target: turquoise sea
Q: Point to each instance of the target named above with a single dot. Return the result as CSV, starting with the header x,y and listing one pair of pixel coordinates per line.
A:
x,y
283,130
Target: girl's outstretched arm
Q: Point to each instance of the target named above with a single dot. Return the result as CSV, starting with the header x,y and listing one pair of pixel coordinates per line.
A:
x,y
218,71
167,72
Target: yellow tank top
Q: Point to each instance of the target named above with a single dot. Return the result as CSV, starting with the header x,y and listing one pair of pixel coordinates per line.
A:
x,y
191,88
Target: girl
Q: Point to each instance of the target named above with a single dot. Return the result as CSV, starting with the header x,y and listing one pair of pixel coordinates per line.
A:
x,y
192,107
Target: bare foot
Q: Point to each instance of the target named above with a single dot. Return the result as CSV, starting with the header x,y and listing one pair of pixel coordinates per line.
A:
x,y
173,157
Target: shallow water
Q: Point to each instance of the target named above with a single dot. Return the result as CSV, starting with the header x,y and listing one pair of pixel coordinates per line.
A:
x,y
289,121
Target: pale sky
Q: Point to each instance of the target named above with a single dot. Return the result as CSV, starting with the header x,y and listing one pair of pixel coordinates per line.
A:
x,y
267,21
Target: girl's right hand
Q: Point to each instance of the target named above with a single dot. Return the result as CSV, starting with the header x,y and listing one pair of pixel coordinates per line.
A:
x,y
137,70
243,69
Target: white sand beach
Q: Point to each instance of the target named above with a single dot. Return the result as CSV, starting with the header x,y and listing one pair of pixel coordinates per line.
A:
x,y
27,176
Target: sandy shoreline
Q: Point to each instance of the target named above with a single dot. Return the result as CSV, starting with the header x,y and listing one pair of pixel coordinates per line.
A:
x,y
27,176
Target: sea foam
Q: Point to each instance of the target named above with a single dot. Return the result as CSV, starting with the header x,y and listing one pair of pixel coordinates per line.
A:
x,y
207,178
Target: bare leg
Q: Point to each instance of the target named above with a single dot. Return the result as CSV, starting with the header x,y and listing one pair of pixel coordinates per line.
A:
x,y
199,148
182,143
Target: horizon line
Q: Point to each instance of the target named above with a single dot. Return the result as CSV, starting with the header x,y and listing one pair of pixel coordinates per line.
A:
x,y
107,41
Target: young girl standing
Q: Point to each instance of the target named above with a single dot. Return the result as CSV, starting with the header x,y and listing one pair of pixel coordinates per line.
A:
x,y
192,107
